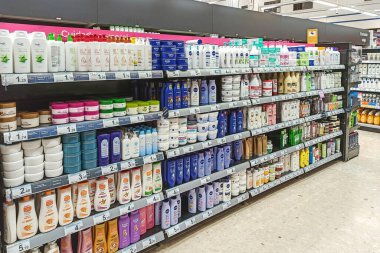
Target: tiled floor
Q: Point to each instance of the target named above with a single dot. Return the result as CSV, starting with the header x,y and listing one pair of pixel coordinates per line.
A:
x,y
336,209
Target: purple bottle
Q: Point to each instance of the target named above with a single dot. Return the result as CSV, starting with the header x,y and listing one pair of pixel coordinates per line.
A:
x,y
103,149
124,233
135,226
115,146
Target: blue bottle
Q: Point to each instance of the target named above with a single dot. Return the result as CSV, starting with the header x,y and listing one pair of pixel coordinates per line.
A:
x,y
194,166
171,175
169,96
239,121
221,132
208,162
162,96
225,122
215,151
177,95
103,149
212,159
203,99
227,156
186,168
232,123
238,150
201,165
212,92
164,171
220,159
184,95
154,141
115,146
179,171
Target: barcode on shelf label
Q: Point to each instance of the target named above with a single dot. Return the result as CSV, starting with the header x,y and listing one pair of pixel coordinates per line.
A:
x,y
122,75
21,191
194,110
66,129
226,205
109,169
128,164
130,249
63,77
17,136
149,242
19,247
150,159
127,208
153,199
110,122
102,217
73,228
78,177
97,76
137,118
190,222
173,230
207,214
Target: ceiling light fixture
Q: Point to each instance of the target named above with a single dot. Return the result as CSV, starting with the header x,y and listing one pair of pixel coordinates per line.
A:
x,y
325,3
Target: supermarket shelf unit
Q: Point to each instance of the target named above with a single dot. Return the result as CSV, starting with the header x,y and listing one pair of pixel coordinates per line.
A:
x,y
156,235
369,127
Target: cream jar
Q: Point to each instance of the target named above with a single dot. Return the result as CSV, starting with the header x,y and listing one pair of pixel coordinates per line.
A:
x,y
143,107
45,116
7,109
154,105
132,108
30,119
8,124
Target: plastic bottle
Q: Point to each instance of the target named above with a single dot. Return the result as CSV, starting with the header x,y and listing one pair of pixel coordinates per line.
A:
x,y
280,84
66,244
284,56
194,93
95,63
135,226
201,200
86,244
170,173
134,146
112,236
232,123
10,227
147,55
254,58
21,52
186,168
220,159
115,146
184,95
102,199
148,143
211,92
65,206
288,80
169,96
192,201
303,82
147,182
6,52
136,184
254,87
111,187
210,195
39,52
150,216
154,141
203,93
217,192
239,121
48,217
82,61
142,143
123,54
226,189
125,155
201,165
208,163
124,231
165,214
157,213
179,171
104,54
114,55
70,54
124,188
194,166
157,178
177,95
173,211
100,242
61,54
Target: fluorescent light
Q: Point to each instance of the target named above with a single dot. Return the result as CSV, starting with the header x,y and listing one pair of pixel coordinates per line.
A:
x,y
377,10
325,3
318,17
369,14
349,9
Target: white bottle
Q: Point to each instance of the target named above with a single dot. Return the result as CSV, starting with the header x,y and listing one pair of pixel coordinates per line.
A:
x,y
112,187
95,51
140,54
123,62
105,54
82,49
114,56
102,199
229,53
27,222
196,56
235,184
210,196
92,189
124,188
254,58
21,52
134,146
148,142
303,82
53,54
243,181
173,211
192,201
131,56
217,193
227,190
154,141
10,228
147,55
194,93
136,184
6,52
125,155
83,208
249,179
201,200
61,54
142,143
39,52
165,214
244,87
147,182
74,195
48,218
70,54
157,177
65,206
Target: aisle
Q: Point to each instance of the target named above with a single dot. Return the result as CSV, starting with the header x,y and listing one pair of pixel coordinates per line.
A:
x,y
336,209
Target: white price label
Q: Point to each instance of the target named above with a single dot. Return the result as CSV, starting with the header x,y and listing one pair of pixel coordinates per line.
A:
x,y
130,249
173,153
145,74
122,75
109,169
16,136
238,137
195,110
254,192
173,230
149,242
137,118
21,191
174,113
214,107
197,72
226,205
153,199
110,122
73,228
206,144
221,141
97,76
265,187
173,73
207,214
241,198
16,79
190,222
127,208
205,180
128,164
102,217
187,149
78,177
63,77
150,159
19,247
230,171
66,129
172,192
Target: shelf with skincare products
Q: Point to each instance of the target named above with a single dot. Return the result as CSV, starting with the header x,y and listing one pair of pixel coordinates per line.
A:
x,y
56,182
370,107
206,144
200,217
204,180
370,62
56,130
297,68
265,158
144,243
207,72
376,127
322,138
370,76
366,90
96,218
62,77
322,162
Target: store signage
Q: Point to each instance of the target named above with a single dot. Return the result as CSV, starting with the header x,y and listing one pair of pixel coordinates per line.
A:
x,y
312,36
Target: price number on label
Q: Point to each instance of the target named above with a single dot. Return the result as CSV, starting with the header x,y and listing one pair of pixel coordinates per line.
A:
x,y
145,74
16,79
221,140
73,228
127,208
78,177
226,205
149,242
110,122
66,129
205,180
173,230
173,153
123,75
150,159
254,192
131,249
240,198
195,110
230,171
19,247
63,77
103,217
172,192
207,214
153,199
190,222
238,137
128,164
97,76
17,136
109,169
137,118
173,73
187,149
21,191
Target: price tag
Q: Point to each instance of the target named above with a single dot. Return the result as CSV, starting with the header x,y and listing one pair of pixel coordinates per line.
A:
x,y
109,169
137,118
17,136
206,144
102,217
254,192
16,79
226,205
110,122
172,192
145,74
63,77
153,199
150,159
21,191
66,129
73,228
241,198
97,76
230,171
127,208
205,180
173,230
174,113
190,222
128,164
78,177
130,249
238,137
19,247
187,149
215,107
274,99
265,187
207,214
173,73
221,140
194,110
173,153
122,75
149,242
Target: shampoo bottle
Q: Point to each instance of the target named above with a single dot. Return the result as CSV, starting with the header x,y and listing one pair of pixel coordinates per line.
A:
x,y
39,52
70,54
192,201
173,211
203,93
124,188
147,182
179,171
65,206
102,199
157,177
194,93
10,228
83,208
136,184
48,218
201,199
112,236
124,231
100,242
135,226
21,52
194,166
201,165
212,92
210,195
165,214
6,52
66,244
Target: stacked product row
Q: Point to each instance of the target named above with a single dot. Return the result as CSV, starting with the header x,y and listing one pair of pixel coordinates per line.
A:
x,y
370,100
367,116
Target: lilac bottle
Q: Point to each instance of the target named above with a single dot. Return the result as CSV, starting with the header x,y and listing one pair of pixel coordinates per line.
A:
x,y
103,149
124,233
115,146
135,226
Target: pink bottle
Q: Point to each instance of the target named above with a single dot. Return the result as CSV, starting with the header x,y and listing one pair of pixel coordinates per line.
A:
x,y
150,216
142,212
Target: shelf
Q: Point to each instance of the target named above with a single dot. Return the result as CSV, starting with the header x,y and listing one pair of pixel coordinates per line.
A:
x,y
370,126
206,144
207,72
370,76
322,162
265,158
370,107
365,90
371,62
97,218
56,182
56,130
322,138
204,180
198,218
144,243
297,68
278,126
62,77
